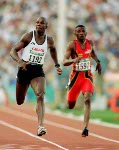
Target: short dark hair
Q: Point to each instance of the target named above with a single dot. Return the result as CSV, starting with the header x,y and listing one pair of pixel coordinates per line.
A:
x,y
80,26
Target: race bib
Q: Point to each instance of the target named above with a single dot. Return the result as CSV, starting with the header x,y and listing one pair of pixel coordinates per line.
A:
x,y
35,59
83,65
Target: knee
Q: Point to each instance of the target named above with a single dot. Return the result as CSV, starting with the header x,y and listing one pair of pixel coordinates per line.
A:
x,y
87,101
20,101
71,105
40,96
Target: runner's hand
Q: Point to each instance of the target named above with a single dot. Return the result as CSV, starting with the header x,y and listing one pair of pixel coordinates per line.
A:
x,y
77,60
59,71
98,68
23,64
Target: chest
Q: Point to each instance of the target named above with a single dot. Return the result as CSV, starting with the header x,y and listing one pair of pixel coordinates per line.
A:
x,y
83,50
39,41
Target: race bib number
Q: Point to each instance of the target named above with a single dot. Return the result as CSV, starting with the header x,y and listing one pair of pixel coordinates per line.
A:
x,y
83,65
35,59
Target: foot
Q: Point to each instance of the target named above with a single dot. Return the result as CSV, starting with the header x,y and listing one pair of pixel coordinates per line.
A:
x,y
41,131
85,132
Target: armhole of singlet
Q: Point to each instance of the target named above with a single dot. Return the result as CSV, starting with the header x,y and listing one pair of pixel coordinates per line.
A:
x,y
46,38
90,46
33,36
46,41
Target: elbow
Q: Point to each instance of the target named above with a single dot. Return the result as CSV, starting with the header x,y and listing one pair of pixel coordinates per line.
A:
x,y
64,65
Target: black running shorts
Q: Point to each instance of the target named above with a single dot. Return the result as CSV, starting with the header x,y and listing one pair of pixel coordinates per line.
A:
x,y
33,71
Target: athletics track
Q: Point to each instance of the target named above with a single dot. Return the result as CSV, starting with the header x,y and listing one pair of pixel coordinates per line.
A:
x,y
18,128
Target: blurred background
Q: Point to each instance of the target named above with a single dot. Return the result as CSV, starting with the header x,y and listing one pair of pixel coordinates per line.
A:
x,y
101,18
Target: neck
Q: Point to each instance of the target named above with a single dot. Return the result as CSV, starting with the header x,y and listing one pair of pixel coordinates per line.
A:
x,y
40,34
82,41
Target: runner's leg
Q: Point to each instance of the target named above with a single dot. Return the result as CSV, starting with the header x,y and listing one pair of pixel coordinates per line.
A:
x,y
87,102
38,85
21,90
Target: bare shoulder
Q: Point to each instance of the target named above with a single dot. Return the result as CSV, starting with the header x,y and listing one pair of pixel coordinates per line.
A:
x,y
27,37
50,39
71,45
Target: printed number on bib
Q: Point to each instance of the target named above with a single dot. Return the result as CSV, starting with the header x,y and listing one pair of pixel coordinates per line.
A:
x,y
35,59
83,65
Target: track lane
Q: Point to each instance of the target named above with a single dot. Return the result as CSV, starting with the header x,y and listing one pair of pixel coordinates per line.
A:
x,y
94,128
31,135
67,138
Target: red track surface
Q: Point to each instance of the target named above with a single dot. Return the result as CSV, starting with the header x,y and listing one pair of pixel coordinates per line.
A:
x,y
18,128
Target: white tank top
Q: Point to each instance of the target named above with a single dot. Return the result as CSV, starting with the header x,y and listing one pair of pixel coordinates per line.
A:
x,y
34,52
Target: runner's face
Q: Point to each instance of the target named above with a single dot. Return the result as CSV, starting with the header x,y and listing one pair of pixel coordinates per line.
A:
x,y
80,33
41,25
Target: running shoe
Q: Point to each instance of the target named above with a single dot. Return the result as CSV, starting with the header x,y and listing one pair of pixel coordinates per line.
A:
x,y
41,131
85,132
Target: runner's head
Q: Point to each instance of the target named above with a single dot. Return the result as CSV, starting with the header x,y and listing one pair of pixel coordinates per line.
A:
x,y
80,32
41,25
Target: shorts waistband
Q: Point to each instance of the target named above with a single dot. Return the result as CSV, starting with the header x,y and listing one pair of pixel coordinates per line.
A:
x,y
34,63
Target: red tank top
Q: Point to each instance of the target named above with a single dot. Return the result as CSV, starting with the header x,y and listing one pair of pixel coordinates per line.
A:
x,y
83,53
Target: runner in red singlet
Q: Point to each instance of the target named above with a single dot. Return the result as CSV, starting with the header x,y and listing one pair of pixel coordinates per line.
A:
x,y
79,53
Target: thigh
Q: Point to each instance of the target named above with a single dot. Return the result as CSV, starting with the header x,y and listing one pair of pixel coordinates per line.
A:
x,y
74,87
23,77
72,96
87,84
21,90
73,93
38,84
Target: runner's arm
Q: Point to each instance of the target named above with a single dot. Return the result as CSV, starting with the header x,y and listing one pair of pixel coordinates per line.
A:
x,y
18,46
53,51
94,56
53,54
67,61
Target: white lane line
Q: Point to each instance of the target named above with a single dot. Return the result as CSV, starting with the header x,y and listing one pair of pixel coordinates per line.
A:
x,y
24,115
30,134
71,116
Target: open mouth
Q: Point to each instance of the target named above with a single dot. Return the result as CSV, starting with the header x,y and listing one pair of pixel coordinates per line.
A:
x,y
81,35
38,27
